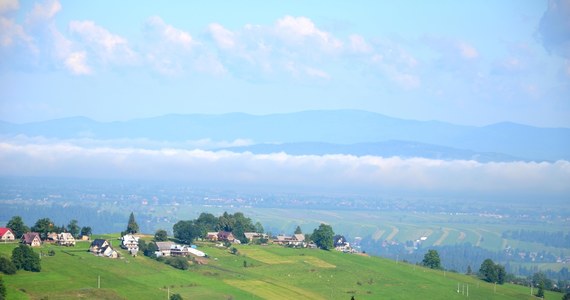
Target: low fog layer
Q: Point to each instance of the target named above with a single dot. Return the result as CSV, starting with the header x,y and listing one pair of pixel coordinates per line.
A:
x,y
340,172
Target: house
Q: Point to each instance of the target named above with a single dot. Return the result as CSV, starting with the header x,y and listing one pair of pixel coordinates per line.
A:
x,y
164,248
130,243
227,236
6,234
51,237
297,240
101,247
340,244
32,239
212,236
177,250
65,239
251,236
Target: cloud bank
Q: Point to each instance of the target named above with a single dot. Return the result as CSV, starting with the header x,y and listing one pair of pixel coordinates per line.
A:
x,y
337,172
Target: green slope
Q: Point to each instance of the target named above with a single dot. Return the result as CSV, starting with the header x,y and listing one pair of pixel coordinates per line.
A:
x,y
272,272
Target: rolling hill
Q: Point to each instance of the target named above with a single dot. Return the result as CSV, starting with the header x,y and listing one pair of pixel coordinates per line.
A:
x,y
272,272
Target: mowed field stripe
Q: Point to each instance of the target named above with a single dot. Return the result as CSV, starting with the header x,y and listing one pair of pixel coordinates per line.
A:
x,y
393,234
272,290
265,257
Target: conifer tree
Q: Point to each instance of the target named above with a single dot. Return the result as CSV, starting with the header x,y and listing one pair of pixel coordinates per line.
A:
x,y
132,227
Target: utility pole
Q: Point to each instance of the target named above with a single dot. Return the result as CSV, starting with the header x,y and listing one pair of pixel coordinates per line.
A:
x,y
468,290
168,293
98,281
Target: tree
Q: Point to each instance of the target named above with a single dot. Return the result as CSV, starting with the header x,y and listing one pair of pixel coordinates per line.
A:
x,y
259,227
432,260
469,271
132,226
6,266
86,231
160,235
150,250
175,297
43,227
298,230
323,236
17,226
24,257
3,291
186,231
73,228
491,272
566,296
540,292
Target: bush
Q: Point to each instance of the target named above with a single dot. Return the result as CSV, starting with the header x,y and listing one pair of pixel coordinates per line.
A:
x,y
3,291
6,266
178,262
24,257
175,297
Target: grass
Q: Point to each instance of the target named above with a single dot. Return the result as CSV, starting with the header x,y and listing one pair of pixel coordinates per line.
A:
x,y
272,272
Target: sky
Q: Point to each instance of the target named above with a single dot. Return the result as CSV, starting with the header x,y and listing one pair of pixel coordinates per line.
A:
x,y
464,62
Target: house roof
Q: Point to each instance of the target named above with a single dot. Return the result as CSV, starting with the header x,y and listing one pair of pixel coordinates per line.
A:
x,y
299,237
164,245
98,242
225,235
3,230
66,236
250,235
29,237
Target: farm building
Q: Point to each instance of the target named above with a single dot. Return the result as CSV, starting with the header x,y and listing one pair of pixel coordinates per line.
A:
x,y
6,234
32,239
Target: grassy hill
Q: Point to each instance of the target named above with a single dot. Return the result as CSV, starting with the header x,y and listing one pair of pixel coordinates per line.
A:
x,y
272,272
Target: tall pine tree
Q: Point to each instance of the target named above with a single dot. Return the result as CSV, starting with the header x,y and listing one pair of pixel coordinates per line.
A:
x,y
132,227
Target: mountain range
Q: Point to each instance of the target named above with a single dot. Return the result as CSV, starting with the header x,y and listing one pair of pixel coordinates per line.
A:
x,y
324,132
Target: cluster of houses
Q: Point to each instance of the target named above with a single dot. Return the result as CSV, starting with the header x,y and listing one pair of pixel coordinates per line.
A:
x,y
33,238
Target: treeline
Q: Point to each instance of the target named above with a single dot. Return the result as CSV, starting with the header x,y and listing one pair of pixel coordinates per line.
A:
x,y
188,230
552,239
101,221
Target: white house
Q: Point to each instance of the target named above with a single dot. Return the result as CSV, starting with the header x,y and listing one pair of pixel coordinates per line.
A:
x,y
65,239
130,243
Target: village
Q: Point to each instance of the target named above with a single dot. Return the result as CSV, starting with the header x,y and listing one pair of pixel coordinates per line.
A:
x,y
161,246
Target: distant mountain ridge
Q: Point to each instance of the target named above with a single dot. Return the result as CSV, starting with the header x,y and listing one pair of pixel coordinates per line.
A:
x,y
340,127
401,149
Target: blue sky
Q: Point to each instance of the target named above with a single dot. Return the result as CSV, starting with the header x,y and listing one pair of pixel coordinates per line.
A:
x,y
465,62
474,63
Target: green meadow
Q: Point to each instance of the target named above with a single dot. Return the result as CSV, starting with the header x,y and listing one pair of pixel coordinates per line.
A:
x,y
256,272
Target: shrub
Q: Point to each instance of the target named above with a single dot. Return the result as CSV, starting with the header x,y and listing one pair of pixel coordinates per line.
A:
x,y
6,266
178,262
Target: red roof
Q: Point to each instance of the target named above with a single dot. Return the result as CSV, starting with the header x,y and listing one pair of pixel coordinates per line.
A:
x,y
3,230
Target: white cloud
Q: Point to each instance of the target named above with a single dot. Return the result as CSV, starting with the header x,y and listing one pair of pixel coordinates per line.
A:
x,y
44,12
359,45
8,5
467,51
312,72
299,30
76,63
109,47
170,34
223,37
12,33
280,169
